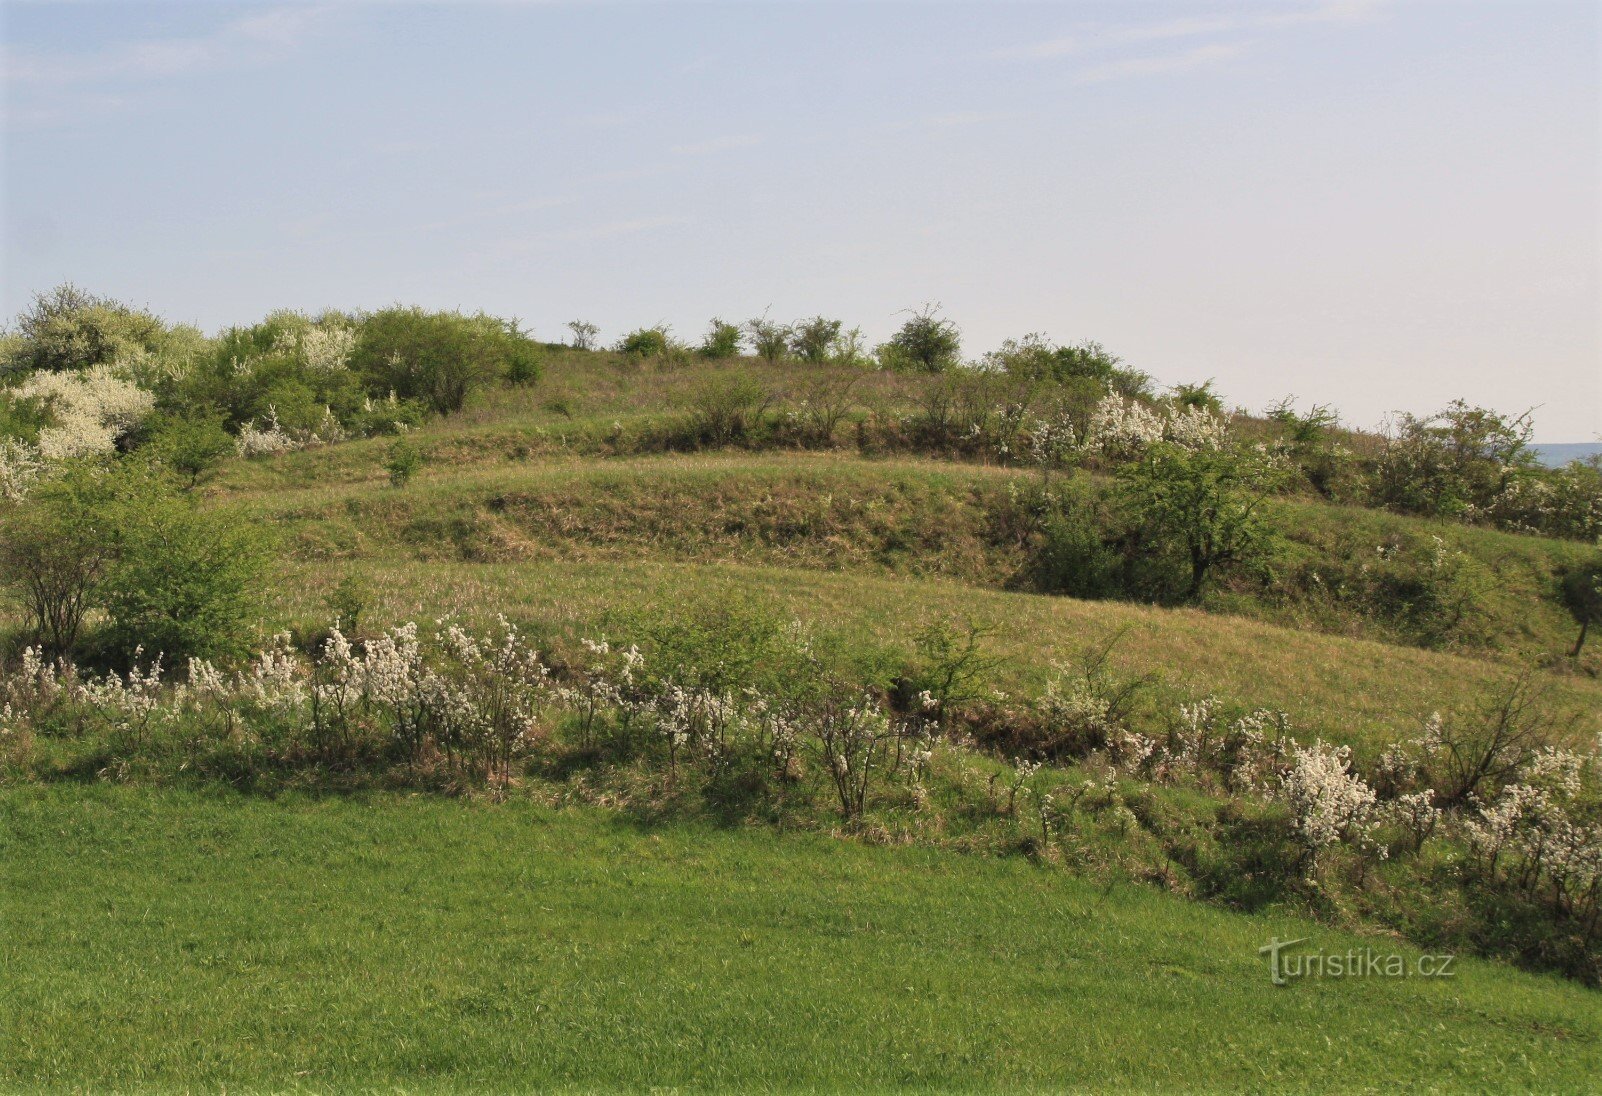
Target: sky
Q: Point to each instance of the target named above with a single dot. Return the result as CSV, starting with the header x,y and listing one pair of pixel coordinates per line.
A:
x,y
1376,206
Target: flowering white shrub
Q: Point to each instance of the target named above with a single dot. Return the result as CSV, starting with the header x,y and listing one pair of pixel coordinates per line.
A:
x,y
1121,428
1328,802
87,410
327,346
267,439
21,465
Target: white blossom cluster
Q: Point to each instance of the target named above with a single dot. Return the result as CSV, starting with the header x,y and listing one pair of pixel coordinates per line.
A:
x,y
88,410
1121,428
1539,831
1328,802
86,413
20,468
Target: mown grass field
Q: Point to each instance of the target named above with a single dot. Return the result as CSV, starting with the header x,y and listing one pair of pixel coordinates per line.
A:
x,y
180,940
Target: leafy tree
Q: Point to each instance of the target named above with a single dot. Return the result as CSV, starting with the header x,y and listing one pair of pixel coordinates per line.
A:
x,y
69,328
346,603
722,340
814,340
926,343
55,551
770,340
439,358
1208,505
1582,596
585,335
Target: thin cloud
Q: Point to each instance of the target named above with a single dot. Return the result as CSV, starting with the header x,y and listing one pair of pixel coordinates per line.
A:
x,y
623,228
1092,39
716,144
1200,57
164,58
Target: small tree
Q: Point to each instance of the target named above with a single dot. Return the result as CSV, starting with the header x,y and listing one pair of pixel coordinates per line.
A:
x,y
722,340
1209,503
926,343
1582,596
770,340
69,328
191,447
1201,397
814,340
585,335
54,552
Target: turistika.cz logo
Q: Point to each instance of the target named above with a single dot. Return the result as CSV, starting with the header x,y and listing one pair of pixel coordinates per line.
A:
x,y
1285,966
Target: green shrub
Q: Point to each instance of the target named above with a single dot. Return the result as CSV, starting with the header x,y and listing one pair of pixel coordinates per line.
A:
x,y
1582,596
926,343
190,447
1202,397
814,340
69,328
770,340
1075,552
185,581
724,412
402,461
439,358
1456,463
722,340
646,342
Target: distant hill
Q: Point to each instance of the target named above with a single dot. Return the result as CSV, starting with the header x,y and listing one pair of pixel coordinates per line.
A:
x,y
1560,453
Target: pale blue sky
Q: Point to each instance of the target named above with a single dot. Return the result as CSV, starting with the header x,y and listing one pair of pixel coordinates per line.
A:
x,y
1376,205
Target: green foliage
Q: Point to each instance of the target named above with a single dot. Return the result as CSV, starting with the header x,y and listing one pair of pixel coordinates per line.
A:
x,y
347,602
1074,554
926,343
814,340
402,461
1455,463
1582,596
953,666
722,341
1308,440
770,340
647,342
1200,396
1207,507
1086,367
55,551
69,328
272,370
439,358
191,447
724,412
185,581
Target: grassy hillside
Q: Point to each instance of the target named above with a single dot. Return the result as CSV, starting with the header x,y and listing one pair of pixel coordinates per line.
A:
x,y
573,469
550,871
176,940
